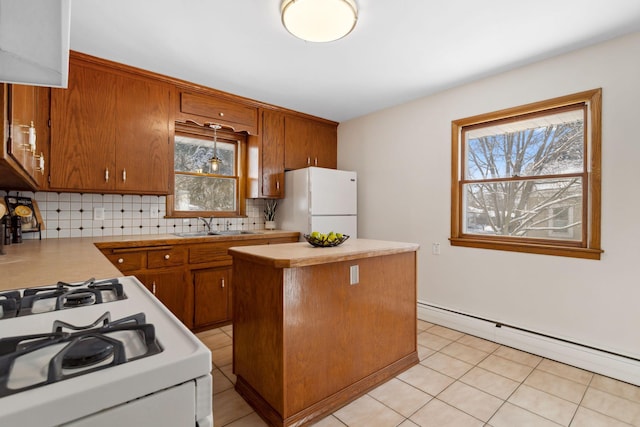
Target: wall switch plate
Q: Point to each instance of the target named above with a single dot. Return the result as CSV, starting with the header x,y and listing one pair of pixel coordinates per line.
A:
x,y
435,248
98,214
154,212
354,275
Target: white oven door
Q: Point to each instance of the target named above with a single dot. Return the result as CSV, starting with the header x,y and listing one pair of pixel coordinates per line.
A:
x,y
172,407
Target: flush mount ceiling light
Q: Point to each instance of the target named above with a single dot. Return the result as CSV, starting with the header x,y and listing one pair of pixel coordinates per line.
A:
x,y
319,20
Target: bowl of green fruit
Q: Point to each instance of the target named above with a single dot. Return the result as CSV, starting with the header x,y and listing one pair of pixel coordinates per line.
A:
x,y
327,240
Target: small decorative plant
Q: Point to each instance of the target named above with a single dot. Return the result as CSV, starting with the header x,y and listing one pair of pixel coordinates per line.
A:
x,y
270,210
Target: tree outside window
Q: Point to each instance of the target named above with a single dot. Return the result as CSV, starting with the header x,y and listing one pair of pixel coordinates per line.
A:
x,y
527,179
199,189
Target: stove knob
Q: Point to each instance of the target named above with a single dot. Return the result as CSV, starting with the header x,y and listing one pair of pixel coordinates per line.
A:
x,y
167,256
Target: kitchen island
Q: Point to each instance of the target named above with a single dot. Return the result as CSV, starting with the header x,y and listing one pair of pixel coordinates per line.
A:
x,y
314,328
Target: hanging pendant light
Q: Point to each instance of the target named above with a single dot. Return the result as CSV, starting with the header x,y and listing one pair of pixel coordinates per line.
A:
x,y
319,20
215,161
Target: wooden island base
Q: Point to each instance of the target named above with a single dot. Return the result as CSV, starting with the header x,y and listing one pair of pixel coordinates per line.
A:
x,y
306,340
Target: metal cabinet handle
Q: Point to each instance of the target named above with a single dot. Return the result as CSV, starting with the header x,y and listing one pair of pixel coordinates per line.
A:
x,y
223,283
153,287
106,175
308,161
277,185
316,162
124,175
167,256
221,114
120,260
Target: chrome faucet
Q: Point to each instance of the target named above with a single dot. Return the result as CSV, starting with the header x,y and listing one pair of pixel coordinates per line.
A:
x,y
207,222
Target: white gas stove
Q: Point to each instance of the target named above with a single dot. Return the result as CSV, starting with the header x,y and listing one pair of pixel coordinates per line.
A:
x,y
96,354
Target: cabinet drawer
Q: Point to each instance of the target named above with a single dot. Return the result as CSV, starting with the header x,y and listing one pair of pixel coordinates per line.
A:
x,y
128,261
219,109
166,257
207,252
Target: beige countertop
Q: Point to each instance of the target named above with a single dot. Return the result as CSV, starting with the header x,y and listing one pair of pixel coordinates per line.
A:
x,y
301,254
45,262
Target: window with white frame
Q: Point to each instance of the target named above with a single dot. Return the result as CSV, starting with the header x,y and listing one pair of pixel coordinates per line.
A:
x,y
527,179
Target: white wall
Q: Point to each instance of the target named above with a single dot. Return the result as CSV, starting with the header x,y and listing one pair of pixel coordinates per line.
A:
x,y
403,158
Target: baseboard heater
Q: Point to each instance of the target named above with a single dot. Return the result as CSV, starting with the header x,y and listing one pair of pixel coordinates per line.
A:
x,y
609,363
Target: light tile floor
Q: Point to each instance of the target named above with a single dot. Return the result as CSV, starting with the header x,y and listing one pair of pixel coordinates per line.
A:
x,y
461,381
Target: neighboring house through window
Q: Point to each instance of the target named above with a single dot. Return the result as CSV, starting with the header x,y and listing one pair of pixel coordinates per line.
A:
x,y
527,179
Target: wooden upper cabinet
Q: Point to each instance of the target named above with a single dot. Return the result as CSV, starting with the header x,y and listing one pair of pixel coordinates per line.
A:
x,y
25,134
110,132
272,154
310,143
203,108
266,157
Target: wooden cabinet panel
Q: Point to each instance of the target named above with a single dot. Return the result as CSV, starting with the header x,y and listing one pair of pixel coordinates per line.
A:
x,y
110,132
265,178
309,143
170,256
283,328
171,288
127,261
144,151
207,252
192,279
212,296
22,115
272,152
24,111
83,131
236,115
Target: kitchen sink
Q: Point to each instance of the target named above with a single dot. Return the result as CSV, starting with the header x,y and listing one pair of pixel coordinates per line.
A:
x,y
233,232
215,233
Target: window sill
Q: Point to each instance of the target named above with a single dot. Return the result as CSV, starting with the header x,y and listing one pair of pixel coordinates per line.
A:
x,y
534,248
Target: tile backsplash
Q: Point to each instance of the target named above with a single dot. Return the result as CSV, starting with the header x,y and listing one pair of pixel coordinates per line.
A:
x,y
72,215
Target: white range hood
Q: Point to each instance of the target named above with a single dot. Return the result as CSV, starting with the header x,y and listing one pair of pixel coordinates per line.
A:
x,y
34,42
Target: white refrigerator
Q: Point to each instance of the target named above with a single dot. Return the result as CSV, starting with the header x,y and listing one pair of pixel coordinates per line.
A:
x,y
319,199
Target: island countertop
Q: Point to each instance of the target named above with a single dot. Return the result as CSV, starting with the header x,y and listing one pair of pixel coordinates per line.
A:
x,y
301,254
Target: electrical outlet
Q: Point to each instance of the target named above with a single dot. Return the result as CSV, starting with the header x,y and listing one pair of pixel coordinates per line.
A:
x,y
354,275
435,248
98,214
154,212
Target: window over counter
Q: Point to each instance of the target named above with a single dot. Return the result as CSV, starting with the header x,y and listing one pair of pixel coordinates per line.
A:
x,y
199,188
527,179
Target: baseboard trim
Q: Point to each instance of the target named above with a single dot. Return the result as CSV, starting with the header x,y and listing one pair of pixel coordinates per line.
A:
x,y
606,363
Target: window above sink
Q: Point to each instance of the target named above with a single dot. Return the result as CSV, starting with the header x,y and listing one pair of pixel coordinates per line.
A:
x,y
198,189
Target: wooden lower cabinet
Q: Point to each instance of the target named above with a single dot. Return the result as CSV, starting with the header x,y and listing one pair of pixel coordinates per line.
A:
x,y
212,289
192,279
169,287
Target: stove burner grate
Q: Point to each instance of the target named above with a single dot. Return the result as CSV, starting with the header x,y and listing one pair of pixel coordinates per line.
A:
x,y
63,296
90,349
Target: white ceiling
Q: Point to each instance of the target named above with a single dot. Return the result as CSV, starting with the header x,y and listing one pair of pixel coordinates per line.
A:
x,y
400,50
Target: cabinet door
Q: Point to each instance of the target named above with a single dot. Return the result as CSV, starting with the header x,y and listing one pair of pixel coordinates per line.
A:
x,y
83,131
110,132
22,107
272,152
325,145
143,144
310,143
297,143
212,295
171,288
